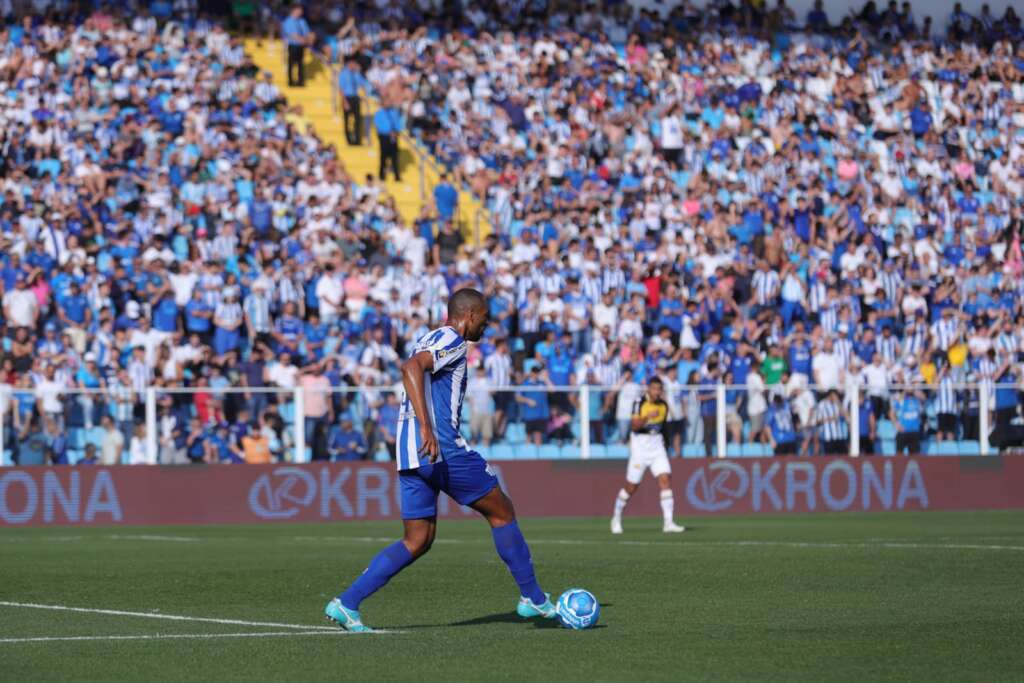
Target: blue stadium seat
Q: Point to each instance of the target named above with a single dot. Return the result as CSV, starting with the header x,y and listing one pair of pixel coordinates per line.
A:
x,y
287,411
308,454
597,450
886,430
503,452
526,451
747,450
76,438
968,447
549,451
570,452
617,450
888,447
95,436
693,450
381,455
5,459
944,448
516,433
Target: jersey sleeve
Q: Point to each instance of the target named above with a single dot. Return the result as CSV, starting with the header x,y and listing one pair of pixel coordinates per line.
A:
x,y
446,349
635,412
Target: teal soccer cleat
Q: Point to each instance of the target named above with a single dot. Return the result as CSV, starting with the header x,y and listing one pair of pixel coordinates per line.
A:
x,y
527,610
346,618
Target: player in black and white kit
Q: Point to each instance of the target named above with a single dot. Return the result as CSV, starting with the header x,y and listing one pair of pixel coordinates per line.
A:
x,y
647,451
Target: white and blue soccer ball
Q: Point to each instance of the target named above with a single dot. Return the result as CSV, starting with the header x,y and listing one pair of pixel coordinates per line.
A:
x,y
578,609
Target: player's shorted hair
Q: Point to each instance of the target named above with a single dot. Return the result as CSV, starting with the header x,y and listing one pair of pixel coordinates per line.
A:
x,y
464,301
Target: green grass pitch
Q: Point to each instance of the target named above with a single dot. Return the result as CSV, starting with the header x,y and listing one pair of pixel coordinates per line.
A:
x,y
902,596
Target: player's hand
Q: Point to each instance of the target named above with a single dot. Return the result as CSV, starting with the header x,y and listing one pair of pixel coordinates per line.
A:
x,y
429,447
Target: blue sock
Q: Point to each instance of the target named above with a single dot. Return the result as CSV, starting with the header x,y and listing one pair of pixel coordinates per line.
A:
x,y
388,562
513,550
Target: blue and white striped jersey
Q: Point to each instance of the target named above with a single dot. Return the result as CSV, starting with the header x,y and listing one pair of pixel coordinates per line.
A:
x,y
445,389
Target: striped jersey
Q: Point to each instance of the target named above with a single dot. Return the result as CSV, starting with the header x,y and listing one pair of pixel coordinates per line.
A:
x,y
445,389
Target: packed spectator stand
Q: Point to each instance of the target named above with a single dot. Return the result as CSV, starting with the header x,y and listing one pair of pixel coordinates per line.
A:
x,y
756,207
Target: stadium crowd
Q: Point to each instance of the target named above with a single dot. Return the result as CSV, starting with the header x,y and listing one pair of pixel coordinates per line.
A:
x,y
711,195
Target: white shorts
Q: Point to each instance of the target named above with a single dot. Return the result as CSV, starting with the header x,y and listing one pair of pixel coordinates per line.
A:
x,y
646,451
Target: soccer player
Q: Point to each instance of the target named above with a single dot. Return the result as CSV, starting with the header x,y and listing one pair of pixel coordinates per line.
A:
x,y
647,450
433,457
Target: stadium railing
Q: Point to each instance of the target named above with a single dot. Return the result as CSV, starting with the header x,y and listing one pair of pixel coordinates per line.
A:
x,y
521,422
428,166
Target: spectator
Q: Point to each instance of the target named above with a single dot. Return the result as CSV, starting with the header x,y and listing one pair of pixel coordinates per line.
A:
x,y
256,448
346,442
297,36
481,410
89,457
907,414
112,445
318,407
535,411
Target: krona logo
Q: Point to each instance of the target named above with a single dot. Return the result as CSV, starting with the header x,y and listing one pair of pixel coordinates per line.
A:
x,y
721,485
292,488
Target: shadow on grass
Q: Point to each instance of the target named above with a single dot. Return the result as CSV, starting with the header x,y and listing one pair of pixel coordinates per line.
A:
x,y
500,618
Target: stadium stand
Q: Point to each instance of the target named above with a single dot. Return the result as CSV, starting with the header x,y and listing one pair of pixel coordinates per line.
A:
x,y
715,195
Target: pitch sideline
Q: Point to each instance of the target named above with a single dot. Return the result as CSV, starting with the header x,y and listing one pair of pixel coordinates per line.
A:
x,y
175,617
176,636
894,544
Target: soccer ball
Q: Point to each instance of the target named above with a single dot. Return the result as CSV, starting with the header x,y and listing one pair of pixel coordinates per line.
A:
x,y
578,609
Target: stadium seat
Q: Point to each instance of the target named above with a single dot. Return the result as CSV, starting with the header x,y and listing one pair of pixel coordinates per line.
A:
x,y
549,451
888,447
617,450
526,451
570,452
693,450
382,455
944,448
597,450
5,459
968,447
76,438
886,430
503,452
516,433
95,436
747,450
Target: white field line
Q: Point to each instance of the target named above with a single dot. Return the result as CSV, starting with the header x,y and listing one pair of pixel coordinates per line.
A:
x,y
170,617
181,636
681,543
153,537
111,537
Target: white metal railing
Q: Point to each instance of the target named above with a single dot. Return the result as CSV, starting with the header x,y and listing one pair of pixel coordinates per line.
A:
x,y
582,420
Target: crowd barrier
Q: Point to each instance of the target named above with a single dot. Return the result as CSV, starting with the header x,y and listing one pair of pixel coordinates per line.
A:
x,y
332,492
510,423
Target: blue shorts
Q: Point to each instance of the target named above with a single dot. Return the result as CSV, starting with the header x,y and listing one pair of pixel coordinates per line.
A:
x,y
466,478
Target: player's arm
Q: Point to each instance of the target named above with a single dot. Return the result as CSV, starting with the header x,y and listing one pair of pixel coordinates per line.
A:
x,y
413,371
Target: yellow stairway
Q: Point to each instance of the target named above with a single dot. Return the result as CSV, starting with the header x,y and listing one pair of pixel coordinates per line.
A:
x,y
420,173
